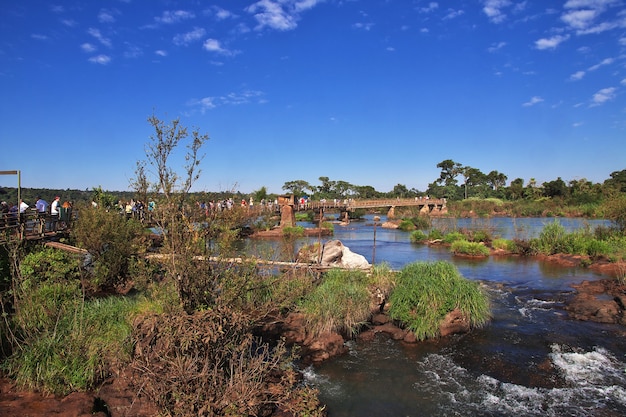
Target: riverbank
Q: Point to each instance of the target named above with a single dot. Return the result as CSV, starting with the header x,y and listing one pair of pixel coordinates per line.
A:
x,y
115,398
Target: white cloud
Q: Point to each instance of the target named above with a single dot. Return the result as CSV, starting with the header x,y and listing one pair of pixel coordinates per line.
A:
x,y
96,34
606,61
496,46
494,9
160,52
213,45
69,22
186,38
577,124
432,6
534,100
453,14
100,59
279,14
622,41
550,43
582,16
39,37
233,99
106,16
363,26
602,96
170,17
88,47
578,75
623,82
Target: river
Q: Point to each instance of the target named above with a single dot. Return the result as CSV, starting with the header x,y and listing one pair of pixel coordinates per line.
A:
x,y
530,360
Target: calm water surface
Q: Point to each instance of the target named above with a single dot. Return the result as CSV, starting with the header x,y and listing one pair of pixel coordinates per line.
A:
x,y
531,360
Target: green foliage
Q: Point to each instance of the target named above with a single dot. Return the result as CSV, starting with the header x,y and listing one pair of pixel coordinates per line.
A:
x,y
407,225
615,210
421,222
426,291
463,247
305,216
418,236
453,237
293,231
503,244
73,351
340,303
435,234
111,241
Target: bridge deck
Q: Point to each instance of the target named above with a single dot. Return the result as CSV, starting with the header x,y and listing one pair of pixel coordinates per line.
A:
x,y
351,204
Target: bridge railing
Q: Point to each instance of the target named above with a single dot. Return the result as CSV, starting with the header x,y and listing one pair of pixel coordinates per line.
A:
x,y
352,204
31,224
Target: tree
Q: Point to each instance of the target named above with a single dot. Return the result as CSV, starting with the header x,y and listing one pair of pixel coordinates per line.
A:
x,y
449,171
556,188
399,190
297,187
617,181
496,180
260,194
516,189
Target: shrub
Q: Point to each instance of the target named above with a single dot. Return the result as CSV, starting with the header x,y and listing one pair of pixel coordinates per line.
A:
x,y
426,291
406,225
453,237
293,231
503,244
551,240
418,236
340,303
435,234
421,222
463,247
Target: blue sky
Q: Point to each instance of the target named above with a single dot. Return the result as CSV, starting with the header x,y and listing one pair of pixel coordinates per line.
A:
x,y
369,92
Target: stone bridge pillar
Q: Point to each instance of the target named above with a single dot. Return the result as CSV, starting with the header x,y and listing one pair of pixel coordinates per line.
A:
x,y
287,216
391,214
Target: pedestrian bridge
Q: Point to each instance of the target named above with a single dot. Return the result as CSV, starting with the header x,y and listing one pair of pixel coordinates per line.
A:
x,y
424,204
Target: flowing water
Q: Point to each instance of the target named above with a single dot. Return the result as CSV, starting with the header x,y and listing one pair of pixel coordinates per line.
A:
x,y
530,360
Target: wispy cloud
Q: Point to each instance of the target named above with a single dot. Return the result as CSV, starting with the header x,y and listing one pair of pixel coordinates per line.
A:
x,y
39,37
494,9
98,35
88,47
602,96
363,26
534,100
583,16
279,14
220,13
160,52
232,99
106,16
186,38
169,17
213,45
578,75
452,14
100,59
496,46
432,6
550,43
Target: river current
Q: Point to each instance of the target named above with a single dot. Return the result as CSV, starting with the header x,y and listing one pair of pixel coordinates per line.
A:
x,y
530,360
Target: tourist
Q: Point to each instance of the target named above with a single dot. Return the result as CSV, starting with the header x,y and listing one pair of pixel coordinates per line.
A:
x,y
41,205
54,213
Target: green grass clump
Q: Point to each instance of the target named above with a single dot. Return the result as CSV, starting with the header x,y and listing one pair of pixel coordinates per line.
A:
x,y
503,244
74,353
435,234
293,231
426,291
407,225
418,236
453,237
463,247
340,303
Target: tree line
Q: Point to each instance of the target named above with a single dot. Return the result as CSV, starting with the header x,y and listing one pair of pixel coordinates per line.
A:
x,y
458,182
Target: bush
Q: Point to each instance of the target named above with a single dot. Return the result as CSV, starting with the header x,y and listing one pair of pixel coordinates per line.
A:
x,y
453,237
293,231
421,222
463,247
406,225
418,236
503,244
435,234
426,291
339,304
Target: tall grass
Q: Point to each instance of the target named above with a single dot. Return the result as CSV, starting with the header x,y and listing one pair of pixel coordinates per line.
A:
x,y
463,247
76,350
426,291
340,303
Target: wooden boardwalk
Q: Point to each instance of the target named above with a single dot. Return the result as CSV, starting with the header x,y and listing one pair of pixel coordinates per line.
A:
x,y
352,204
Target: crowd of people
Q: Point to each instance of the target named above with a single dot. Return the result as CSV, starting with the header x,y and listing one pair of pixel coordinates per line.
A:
x,y
43,217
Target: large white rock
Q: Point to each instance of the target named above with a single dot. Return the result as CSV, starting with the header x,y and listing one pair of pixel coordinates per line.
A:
x,y
336,254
